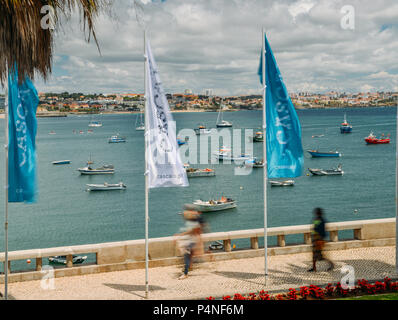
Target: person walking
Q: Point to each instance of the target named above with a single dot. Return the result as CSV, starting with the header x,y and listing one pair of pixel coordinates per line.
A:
x,y
318,239
190,242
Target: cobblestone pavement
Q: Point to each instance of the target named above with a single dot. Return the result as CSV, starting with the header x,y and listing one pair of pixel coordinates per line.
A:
x,y
214,278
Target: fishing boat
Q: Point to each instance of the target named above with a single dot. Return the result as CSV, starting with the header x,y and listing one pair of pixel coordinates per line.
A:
x,y
139,126
62,259
330,172
106,187
226,154
372,139
319,154
52,132
116,139
345,127
106,169
213,205
221,123
60,162
202,130
254,163
284,183
318,135
194,172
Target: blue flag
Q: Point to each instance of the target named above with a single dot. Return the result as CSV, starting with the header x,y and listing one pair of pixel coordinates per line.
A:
x,y
284,149
22,105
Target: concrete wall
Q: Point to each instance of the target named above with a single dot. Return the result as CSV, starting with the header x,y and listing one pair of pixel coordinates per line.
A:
x,y
125,255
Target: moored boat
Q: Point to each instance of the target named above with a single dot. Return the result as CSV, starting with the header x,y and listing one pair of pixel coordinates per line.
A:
x,y
372,139
329,172
202,130
141,125
226,154
62,259
258,137
254,163
116,139
319,154
106,169
60,162
95,124
345,126
284,183
213,205
181,142
194,172
223,123
106,186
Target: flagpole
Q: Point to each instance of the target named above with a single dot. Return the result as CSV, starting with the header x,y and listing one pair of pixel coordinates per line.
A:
x,y
396,195
146,175
6,191
265,178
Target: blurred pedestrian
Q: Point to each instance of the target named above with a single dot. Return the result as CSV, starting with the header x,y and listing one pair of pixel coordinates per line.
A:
x,y
190,242
318,239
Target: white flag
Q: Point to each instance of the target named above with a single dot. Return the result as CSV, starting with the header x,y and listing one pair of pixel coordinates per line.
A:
x,y
165,168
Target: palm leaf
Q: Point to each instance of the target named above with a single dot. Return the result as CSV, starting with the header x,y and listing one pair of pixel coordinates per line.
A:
x,y
24,43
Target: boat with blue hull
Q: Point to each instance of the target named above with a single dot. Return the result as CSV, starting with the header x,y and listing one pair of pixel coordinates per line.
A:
x,y
61,162
345,126
319,154
116,139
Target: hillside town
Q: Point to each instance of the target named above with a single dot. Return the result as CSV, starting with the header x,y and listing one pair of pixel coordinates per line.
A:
x,y
66,103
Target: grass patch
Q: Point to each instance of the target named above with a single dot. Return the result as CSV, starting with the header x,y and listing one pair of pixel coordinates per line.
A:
x,y
387,296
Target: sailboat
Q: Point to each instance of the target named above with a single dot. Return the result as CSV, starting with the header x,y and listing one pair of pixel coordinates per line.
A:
x,y
223,123
141,126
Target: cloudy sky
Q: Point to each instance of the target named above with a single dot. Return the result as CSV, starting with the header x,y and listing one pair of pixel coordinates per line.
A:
x,y
200,44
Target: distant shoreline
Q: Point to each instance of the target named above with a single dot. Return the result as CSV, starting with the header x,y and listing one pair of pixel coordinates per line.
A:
x,y
65,114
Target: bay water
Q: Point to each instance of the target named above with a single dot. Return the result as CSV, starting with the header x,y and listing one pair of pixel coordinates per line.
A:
x,y
66,214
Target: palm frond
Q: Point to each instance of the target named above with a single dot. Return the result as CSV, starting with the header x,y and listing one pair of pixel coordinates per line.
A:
x,y
26,45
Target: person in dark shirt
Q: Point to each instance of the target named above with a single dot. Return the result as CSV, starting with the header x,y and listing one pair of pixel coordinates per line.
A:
x,y
318,240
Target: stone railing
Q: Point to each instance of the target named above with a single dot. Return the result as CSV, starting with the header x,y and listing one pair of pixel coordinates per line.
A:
x,y
124,255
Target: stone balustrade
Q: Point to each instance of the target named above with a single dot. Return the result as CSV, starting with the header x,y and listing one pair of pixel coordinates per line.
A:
x,y
125,255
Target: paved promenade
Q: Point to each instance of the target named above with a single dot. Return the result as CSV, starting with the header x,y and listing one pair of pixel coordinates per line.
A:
x,y
214,278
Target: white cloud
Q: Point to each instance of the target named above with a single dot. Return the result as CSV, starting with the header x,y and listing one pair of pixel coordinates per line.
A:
x,y
216,44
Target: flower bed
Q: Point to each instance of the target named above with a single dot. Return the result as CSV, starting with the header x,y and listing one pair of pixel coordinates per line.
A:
x,y
312,292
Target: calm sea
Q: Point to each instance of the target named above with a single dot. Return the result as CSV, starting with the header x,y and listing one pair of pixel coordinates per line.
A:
x,y
66,214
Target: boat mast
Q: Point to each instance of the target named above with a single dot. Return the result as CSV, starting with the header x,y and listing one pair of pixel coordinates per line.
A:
x,y
265,171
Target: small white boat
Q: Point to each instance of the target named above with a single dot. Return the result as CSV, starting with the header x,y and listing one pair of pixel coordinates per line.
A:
x,y
213,205
59,162
285,183
62,259
106,187
202,130
106,169
141,125
95,124
223,123
329,172
194,172
52,132
226,154
254,163
116,139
